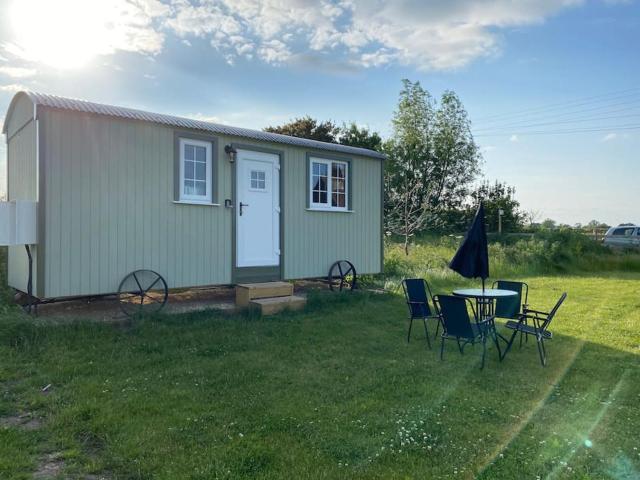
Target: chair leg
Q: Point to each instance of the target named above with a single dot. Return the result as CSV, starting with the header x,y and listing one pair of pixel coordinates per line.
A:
x,y
509,343
544,349
460,347
497,342
484,350
426,333
437,328
442,349
409,334
543,359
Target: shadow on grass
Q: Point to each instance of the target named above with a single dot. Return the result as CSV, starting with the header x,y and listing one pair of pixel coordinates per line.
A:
x,y
332,392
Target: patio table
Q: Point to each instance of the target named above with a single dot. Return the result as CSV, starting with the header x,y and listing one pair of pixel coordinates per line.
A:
x,y
485,300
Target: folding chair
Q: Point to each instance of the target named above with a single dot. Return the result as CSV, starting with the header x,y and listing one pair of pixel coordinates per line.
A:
x,y
457,325
539,327
511,308
415,293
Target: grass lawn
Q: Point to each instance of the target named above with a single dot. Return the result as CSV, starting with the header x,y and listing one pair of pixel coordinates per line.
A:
x,y
332,392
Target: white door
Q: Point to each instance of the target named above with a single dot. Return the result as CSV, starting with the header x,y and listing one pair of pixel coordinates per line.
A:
x,y
257,209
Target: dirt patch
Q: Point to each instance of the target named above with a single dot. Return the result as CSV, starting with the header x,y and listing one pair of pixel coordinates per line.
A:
x,y
50,466
25,421
106,308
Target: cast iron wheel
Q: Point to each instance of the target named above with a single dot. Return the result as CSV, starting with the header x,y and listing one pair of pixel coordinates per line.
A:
x,y
342,276
142,292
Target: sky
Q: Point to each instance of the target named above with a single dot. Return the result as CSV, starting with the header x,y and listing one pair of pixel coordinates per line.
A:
x,y
552,87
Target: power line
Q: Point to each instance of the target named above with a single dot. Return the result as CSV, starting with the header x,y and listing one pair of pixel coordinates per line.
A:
x,y
563,132
578,120
566,104
626,105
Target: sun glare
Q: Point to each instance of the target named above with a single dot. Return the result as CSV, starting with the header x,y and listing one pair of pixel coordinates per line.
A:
x,y
65,33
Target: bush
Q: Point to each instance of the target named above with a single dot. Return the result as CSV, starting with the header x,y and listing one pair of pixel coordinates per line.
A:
x,y
545,252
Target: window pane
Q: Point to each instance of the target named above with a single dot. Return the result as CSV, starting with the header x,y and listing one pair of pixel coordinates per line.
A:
x,y
337,170
338,185
323,197
201,188
201,171
323,169
323,184
189,188
316,197
316,168
201,154
254,183
188,152
188,170
338,200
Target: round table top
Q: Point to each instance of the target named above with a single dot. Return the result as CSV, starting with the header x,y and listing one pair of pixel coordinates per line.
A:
x,y
486,293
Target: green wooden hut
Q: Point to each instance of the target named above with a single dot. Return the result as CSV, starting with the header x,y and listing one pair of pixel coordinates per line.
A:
x,y
117,189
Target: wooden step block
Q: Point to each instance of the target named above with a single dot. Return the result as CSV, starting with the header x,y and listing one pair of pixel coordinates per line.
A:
x,y
271,306
245,292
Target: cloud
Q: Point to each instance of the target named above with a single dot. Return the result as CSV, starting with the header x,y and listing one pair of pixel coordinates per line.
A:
x,y
430,35
17,72
434,35
514,138
69,33
609,137
13,87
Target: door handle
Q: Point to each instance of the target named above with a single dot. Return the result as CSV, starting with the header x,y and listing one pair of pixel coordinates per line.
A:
x,y
243,205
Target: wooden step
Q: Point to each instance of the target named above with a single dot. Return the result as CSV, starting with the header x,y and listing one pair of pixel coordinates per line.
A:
x,y
245,292
271,306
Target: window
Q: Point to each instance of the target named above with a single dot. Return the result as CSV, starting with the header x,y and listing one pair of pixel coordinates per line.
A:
x,y
329,180
258,180
195,171
623,232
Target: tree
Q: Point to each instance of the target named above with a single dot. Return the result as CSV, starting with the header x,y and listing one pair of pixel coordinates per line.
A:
x,y
457,157
499,196
432,158
549,224
307,127
597,224
355,136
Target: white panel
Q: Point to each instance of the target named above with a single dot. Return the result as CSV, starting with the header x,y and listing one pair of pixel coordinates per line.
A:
x,y
18,223
26,222
7,223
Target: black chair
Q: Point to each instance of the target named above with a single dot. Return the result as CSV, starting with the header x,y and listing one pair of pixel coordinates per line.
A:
x,y
415,293
539,327
511,308
457,325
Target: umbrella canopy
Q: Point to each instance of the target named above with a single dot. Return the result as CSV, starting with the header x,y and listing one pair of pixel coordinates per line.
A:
x,y
472,258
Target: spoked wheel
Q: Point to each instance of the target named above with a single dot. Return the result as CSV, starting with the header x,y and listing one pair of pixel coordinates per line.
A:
x,y
342,276
142,292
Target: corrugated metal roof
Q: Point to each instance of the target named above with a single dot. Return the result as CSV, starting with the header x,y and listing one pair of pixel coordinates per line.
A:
x,y
53,101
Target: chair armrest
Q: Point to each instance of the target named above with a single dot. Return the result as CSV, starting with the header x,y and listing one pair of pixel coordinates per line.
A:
x,y
536,312
487,320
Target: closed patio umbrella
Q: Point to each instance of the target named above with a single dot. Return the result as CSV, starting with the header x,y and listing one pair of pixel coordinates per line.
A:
x,y
472,258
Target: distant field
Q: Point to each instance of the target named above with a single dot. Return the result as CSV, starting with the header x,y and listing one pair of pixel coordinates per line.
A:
x,y
333,392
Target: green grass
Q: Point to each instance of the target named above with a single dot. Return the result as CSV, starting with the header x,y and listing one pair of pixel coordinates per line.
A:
x,y
333,392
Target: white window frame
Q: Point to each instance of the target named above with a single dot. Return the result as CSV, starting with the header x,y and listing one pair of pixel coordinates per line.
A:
x,y
205,199
327,206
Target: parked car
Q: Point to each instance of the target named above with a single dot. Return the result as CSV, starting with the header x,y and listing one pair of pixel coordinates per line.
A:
x,y
623,236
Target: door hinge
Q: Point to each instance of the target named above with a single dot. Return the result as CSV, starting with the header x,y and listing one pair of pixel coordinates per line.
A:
x,y
278,251
278,209
278,166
